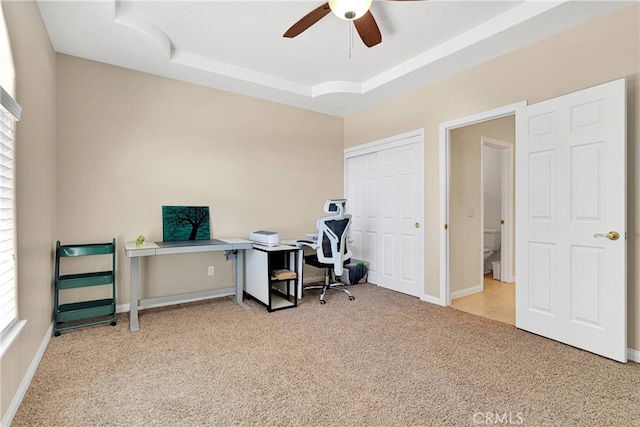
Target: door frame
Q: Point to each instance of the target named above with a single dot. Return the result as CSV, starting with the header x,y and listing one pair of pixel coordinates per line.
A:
x,y
445,184
412,137
507,154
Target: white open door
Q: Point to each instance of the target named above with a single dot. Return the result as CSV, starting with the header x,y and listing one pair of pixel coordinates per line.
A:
x,y
570,208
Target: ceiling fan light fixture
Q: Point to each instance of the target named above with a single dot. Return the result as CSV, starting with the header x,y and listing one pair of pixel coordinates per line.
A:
x,y
349,10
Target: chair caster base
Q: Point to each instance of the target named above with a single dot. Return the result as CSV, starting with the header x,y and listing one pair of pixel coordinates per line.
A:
x,y
56,334
322,301
113,323
351,297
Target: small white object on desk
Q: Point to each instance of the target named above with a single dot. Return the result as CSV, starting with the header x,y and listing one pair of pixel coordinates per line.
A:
x,y
265,238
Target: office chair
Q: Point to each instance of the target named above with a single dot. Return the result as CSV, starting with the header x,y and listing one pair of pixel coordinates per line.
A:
x,y
331,246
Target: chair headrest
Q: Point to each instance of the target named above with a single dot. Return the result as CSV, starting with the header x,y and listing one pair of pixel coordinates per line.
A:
x,y
335,206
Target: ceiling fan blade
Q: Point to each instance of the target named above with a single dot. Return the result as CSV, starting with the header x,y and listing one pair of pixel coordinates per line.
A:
x,y
368,29
308,20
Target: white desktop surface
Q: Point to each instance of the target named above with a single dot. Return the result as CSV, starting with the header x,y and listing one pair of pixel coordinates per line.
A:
x,y
277,248
157,248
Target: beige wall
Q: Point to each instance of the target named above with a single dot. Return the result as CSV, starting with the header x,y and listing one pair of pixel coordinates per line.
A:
x,y
34,62
130,142
465,250
593,53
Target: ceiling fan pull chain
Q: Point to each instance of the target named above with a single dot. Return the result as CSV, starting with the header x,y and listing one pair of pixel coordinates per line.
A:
x,y
350,23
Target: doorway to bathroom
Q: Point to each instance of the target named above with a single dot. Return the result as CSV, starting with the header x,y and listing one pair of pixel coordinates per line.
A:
x,y
496,299
481,219
480,202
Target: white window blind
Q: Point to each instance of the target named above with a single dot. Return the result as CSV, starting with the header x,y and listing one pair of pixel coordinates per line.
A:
x,y
9,112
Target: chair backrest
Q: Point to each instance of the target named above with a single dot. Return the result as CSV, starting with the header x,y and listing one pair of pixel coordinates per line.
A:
x,y
333,232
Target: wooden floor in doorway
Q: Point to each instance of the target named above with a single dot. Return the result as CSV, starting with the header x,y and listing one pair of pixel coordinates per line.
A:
x,y
497,301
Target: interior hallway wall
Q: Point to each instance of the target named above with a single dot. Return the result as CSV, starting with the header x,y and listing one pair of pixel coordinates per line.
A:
x,y
587,55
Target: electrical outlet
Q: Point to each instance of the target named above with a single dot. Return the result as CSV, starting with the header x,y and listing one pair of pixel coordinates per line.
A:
x,y
210,270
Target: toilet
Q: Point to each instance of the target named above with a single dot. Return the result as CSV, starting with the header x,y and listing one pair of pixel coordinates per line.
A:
x,y
491,246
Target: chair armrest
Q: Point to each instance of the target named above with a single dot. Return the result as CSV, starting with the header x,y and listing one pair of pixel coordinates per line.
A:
x,y
310,243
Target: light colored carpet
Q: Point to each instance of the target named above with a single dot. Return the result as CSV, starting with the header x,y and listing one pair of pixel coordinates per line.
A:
x,y
384,359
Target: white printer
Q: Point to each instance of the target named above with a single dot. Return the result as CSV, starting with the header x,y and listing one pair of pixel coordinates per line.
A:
x,y
265,238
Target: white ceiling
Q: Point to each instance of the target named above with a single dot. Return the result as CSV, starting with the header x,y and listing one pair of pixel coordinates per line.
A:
x,y
238,45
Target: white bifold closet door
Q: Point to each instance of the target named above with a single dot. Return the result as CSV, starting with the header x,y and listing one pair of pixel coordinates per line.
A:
x,y
385,195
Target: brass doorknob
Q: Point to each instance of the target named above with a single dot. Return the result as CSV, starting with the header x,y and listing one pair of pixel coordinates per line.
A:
x,y
612,235
417,225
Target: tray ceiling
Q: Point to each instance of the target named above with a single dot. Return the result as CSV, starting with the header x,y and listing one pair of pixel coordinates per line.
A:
x,y
238,46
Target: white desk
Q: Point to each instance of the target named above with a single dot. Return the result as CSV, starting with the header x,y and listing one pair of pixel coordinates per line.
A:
x,y
134,252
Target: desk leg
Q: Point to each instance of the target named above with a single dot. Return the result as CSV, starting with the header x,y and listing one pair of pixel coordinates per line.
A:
x,y
134,325
295,264
300,261
240,279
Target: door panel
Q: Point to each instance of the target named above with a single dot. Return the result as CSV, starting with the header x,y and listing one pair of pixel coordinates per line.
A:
x,y
401,212
571,191
362,205
542,258
587,181
541,191
587,284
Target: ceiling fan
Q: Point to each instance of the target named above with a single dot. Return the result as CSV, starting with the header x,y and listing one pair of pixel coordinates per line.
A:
x,y
350,10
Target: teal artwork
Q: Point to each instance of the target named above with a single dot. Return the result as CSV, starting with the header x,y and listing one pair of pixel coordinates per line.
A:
x,y
181,223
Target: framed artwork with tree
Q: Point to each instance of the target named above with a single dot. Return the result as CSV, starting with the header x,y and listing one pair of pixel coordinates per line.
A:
x,y
181,223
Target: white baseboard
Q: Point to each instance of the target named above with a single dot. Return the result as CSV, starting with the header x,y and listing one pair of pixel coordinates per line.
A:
x,y
24,385
468,291
312,279
123,308
431,300
633,355
159,302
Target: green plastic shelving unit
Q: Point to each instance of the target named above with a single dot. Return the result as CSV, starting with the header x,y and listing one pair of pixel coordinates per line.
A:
x,y
99,311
